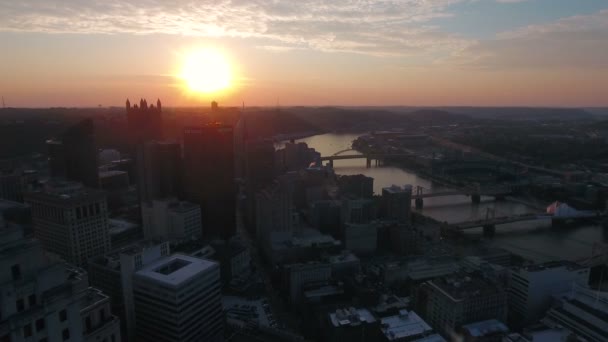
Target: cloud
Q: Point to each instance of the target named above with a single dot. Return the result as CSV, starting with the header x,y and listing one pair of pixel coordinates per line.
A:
x,y
575,42
378,27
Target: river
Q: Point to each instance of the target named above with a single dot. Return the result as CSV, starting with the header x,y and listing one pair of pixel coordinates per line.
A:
x,y
534,240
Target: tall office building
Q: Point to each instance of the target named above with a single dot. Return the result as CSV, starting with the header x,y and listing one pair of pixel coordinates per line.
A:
x,y
73,156
159,169
178,298
259,172
70,221
43,299
397,203
113,273
274,209
209,177
171,219
533,287
145,122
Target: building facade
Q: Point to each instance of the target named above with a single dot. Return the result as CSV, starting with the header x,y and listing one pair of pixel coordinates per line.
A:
x,y
397,203
113,273
209,177
73,156
532,288
171,219
71,221
43,299
448,303
178,298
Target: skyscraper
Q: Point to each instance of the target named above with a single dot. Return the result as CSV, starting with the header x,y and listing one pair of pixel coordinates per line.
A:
x,y
73,156
145,122
159,170
178,298
259,172
209,177
71,221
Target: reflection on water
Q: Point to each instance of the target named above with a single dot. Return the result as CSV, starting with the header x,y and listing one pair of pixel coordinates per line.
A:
x,y
531,239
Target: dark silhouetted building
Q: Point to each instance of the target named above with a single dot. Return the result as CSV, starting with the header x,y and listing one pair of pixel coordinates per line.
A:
x,y
145,122
209,177
73,156
396,203
259,172
158,169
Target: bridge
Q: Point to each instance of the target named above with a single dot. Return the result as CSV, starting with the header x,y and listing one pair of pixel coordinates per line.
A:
x,y
475,191
369,157
490,222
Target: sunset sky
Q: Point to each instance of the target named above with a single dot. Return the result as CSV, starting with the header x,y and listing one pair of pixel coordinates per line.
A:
x,y
300,52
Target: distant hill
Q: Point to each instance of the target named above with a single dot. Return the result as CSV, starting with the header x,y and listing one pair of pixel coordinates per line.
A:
x,y
433,116
271,122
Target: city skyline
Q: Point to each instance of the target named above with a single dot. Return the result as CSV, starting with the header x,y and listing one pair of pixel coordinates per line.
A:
x,y
414,52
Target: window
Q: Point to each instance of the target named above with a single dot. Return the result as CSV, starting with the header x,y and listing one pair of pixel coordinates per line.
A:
x,y
63,316
102,315
44,339
27,330
20,305
16,271
32,299
65,334
113,338
88,323
39,324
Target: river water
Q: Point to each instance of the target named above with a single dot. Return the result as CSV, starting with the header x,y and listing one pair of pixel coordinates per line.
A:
x,y
534,240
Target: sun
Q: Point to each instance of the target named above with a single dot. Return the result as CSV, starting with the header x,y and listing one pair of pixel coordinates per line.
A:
x,y
206,71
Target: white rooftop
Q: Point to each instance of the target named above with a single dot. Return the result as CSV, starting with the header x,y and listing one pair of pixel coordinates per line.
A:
x,y
350,316
397,189
406,324
175,269
480,329
431,338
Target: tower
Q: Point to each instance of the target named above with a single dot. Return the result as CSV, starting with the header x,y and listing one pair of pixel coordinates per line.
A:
x,y
145,122
209,177
74,155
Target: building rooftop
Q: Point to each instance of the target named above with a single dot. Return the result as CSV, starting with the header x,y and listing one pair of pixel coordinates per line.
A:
x,y
394,189
345,256
553,264
175,270
484,328
71,193
465,285
303,238
431,338
351,317
111,173
118,226
112,259
405,325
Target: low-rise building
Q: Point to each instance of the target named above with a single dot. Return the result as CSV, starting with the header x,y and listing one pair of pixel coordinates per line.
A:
x,y
297,277
406,326
452,301
583,312
351,324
